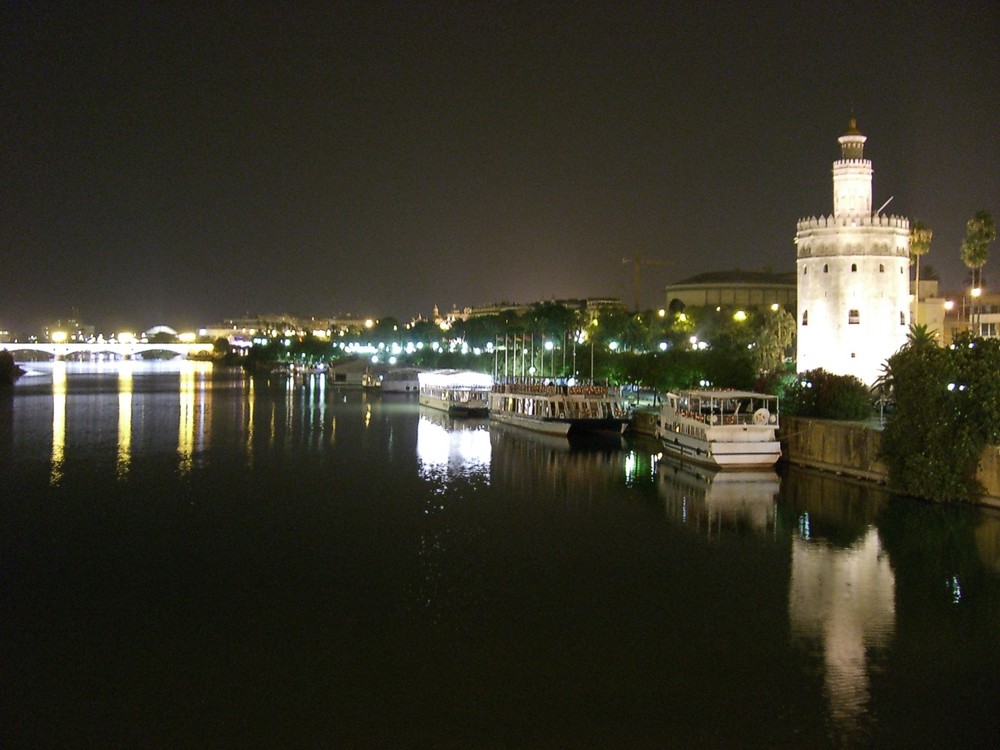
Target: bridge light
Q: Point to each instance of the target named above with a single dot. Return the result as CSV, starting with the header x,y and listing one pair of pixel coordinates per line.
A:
x,y
126,338
187,338
58,337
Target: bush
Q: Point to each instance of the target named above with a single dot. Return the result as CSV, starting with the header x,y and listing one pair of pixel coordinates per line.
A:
x,y
823,395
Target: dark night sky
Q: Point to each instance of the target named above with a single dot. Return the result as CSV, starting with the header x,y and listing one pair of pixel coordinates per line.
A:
x,y
183,162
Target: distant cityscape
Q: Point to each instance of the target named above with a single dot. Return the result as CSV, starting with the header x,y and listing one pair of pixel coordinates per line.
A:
x,y
944,312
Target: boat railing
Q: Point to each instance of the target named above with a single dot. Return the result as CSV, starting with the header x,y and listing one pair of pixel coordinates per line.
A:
x,y
739,418
555,389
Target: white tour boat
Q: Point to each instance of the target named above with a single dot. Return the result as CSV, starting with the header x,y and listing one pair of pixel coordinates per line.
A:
x,y
401,380
557,408
458,392
724,429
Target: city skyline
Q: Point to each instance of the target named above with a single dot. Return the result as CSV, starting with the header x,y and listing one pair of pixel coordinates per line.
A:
x,y
184,165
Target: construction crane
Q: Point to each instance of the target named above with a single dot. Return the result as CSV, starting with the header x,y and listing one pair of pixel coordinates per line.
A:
x,y
637,262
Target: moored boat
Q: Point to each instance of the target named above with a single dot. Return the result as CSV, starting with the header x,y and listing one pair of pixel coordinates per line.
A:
x,y
458,392
401,380
555,408
724,429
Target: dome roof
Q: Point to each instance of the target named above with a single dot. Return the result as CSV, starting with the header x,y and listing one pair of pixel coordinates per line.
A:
x,y
852,128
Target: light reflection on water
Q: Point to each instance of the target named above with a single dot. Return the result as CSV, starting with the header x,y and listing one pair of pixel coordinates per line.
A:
x,y
842,601
568,559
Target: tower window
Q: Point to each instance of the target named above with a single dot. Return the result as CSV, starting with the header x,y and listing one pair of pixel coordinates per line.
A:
x,y
902,318
805,270
853,317
826,268
854,267
805,317
881,267
900,271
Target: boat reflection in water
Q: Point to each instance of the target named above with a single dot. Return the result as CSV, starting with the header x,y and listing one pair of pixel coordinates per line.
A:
x,y
715,500
449,447
537,464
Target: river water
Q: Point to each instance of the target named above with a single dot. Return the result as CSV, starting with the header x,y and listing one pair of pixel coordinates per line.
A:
x,y
191,558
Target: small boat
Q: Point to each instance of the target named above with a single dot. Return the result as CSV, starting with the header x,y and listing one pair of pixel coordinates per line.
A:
x,y
401,380
555,408
723,429
458,392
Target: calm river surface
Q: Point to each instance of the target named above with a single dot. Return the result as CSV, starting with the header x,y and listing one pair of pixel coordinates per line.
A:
x,y
192,559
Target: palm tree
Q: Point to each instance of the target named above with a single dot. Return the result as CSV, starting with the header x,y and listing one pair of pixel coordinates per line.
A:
x,y
980,231
920,244
920,335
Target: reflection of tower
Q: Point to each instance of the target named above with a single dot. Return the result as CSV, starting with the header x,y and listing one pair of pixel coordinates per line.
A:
x,y
845,600
853,283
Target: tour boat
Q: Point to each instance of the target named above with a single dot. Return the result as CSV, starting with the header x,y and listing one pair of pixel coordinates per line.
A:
x,y
458,392
556,408
724,429
401,380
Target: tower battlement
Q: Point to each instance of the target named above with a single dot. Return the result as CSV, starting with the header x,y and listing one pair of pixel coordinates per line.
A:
x,y
852,163
853,220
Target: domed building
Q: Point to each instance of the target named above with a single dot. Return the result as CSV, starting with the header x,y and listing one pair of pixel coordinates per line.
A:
x,y
852,275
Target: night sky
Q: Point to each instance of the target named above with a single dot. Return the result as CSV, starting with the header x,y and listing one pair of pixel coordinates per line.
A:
x,y
181,163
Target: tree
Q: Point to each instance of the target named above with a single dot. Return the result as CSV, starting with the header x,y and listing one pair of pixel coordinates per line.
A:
x,y
920,244
947,410
774,337
980,231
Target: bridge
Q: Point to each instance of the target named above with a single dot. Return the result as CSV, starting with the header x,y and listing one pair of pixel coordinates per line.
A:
x,y
134,350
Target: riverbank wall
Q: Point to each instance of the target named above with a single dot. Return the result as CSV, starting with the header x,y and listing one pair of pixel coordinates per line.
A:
x,y
851,449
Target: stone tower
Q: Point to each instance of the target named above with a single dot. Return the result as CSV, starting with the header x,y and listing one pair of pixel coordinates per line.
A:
x,y
853,279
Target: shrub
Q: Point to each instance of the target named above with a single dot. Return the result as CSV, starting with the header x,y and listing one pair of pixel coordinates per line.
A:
x,y
823,395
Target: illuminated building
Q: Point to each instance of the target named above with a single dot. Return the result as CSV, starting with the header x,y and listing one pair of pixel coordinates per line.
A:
x,y
852,275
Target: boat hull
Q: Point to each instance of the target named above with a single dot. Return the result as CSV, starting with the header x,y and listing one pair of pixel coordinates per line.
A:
x,y
559,427
726,455
455,409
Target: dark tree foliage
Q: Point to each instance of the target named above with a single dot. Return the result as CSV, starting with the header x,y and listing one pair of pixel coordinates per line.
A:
x,y
947,410
823,395
9,371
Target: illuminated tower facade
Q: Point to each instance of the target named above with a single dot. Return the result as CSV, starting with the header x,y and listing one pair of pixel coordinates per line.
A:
x,y
853,278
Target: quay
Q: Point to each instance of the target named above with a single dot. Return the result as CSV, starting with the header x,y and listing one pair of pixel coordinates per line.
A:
x,y
851,449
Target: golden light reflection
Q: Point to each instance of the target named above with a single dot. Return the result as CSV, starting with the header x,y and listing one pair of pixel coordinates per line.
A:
x,y
249,422
185,428
58,420
125,369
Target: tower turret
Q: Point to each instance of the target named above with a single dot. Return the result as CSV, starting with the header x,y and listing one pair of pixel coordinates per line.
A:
x,y
852,175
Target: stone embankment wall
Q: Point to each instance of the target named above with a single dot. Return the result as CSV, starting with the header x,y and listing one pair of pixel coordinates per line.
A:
x,y
851,448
